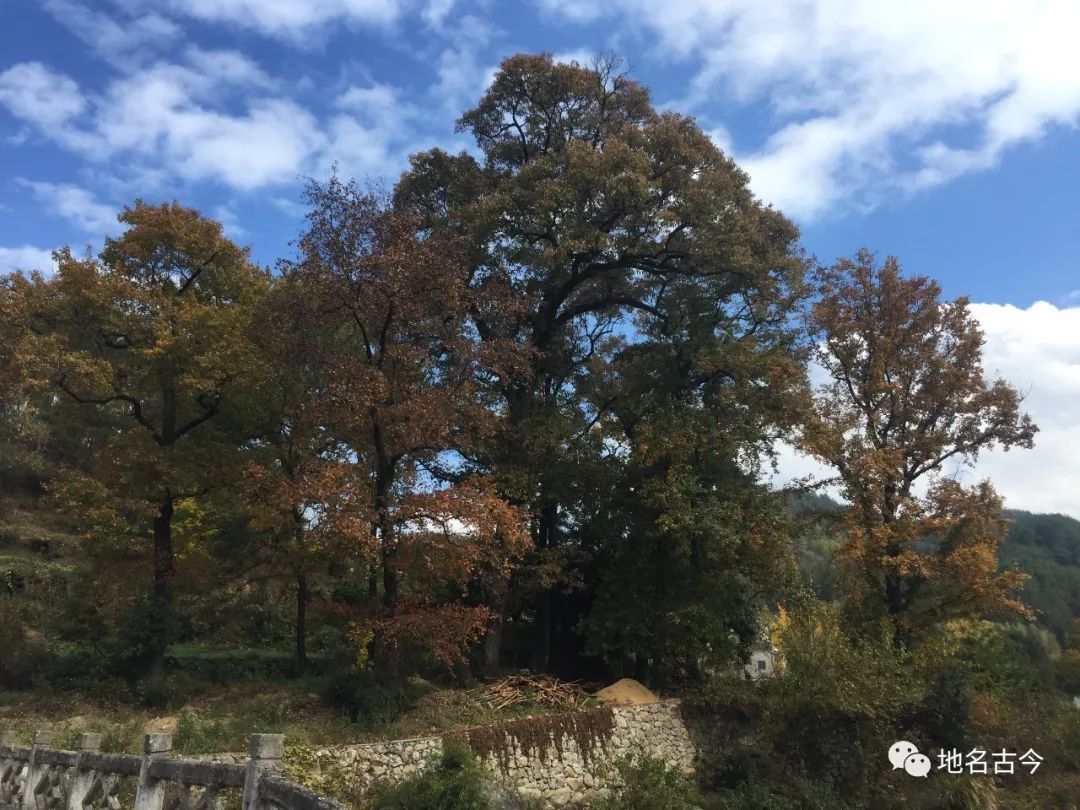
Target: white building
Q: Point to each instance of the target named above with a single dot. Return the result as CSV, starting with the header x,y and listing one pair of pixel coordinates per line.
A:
x,y
762,663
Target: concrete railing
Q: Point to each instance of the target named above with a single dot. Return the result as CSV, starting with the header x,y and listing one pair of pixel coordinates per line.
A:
x,y
45,778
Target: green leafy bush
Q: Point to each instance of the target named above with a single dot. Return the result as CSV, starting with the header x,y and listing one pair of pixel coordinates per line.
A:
x,y
198,733
968,793
167,691
455,782
141,637
231,665
22,659
647,783
368,697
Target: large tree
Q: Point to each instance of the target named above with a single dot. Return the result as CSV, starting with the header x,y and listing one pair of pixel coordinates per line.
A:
x,y
588,209
907,398
397,397
151,337
301,495
692,543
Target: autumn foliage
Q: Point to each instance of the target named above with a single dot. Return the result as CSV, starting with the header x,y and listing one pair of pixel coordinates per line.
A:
x,y
905,397
517,411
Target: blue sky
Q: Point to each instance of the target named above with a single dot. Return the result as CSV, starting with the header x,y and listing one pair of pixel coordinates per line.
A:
x,y
944,133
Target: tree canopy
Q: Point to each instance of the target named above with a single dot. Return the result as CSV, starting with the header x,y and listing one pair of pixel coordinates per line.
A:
x,y
906,394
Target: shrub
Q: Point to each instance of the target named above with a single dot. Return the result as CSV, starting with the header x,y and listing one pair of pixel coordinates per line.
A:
x,y
141,637
22,659
647,783
228,666
819,725
197,733
456,782
368,697
166,691
795,794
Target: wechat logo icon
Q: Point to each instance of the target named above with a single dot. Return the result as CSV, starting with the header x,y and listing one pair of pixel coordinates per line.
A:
x,y
905,755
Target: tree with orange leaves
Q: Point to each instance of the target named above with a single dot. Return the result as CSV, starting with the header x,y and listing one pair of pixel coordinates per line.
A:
x,y
146,346
398,397
906,397
153,335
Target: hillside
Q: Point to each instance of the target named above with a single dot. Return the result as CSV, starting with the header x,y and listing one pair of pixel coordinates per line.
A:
x,y
1045,546
1048,548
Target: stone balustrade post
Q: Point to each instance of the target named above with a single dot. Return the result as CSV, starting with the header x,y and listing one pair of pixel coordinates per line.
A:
x,y
82,778
33,770
151,792
8,740
265,759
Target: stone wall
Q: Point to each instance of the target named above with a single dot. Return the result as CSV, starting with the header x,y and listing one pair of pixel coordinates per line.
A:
x,y
563,760
352,768
573,777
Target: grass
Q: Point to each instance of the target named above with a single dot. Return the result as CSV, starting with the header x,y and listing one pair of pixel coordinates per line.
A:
x,y
29,529
219,718
215,696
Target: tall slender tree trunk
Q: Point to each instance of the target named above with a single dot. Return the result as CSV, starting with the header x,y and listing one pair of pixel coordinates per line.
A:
x,y
302,596
495,598
164,567
544,604
373,582
390,582
385,650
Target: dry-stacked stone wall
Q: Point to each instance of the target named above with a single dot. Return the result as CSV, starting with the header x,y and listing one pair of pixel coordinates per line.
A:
x,y
564,760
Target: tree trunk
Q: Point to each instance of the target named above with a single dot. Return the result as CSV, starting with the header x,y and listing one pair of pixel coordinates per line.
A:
x,y
492,644
546,539
302,596
164,569
385,651
541,652
373,582
390,582
494,596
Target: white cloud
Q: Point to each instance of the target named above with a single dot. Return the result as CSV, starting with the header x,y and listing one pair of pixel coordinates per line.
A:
x,y
26,259
75,204
169,118
372,134
289,19
461,75
869,98
217,116
721,136
583,56
230,67
574,10
1037,350
119,42
436,11
41,96
379,125
230,222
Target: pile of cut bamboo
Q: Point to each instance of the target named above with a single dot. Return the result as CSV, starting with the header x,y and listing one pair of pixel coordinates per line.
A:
x,y
542,690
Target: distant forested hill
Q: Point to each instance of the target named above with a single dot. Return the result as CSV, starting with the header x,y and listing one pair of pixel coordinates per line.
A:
x,y
1048,548
1045,546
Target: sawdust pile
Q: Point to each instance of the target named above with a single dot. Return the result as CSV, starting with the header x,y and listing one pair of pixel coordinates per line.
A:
x,y
627,692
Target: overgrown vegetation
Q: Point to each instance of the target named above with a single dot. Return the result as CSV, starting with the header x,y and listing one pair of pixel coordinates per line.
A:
x,y
543,737
646,783
455,782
